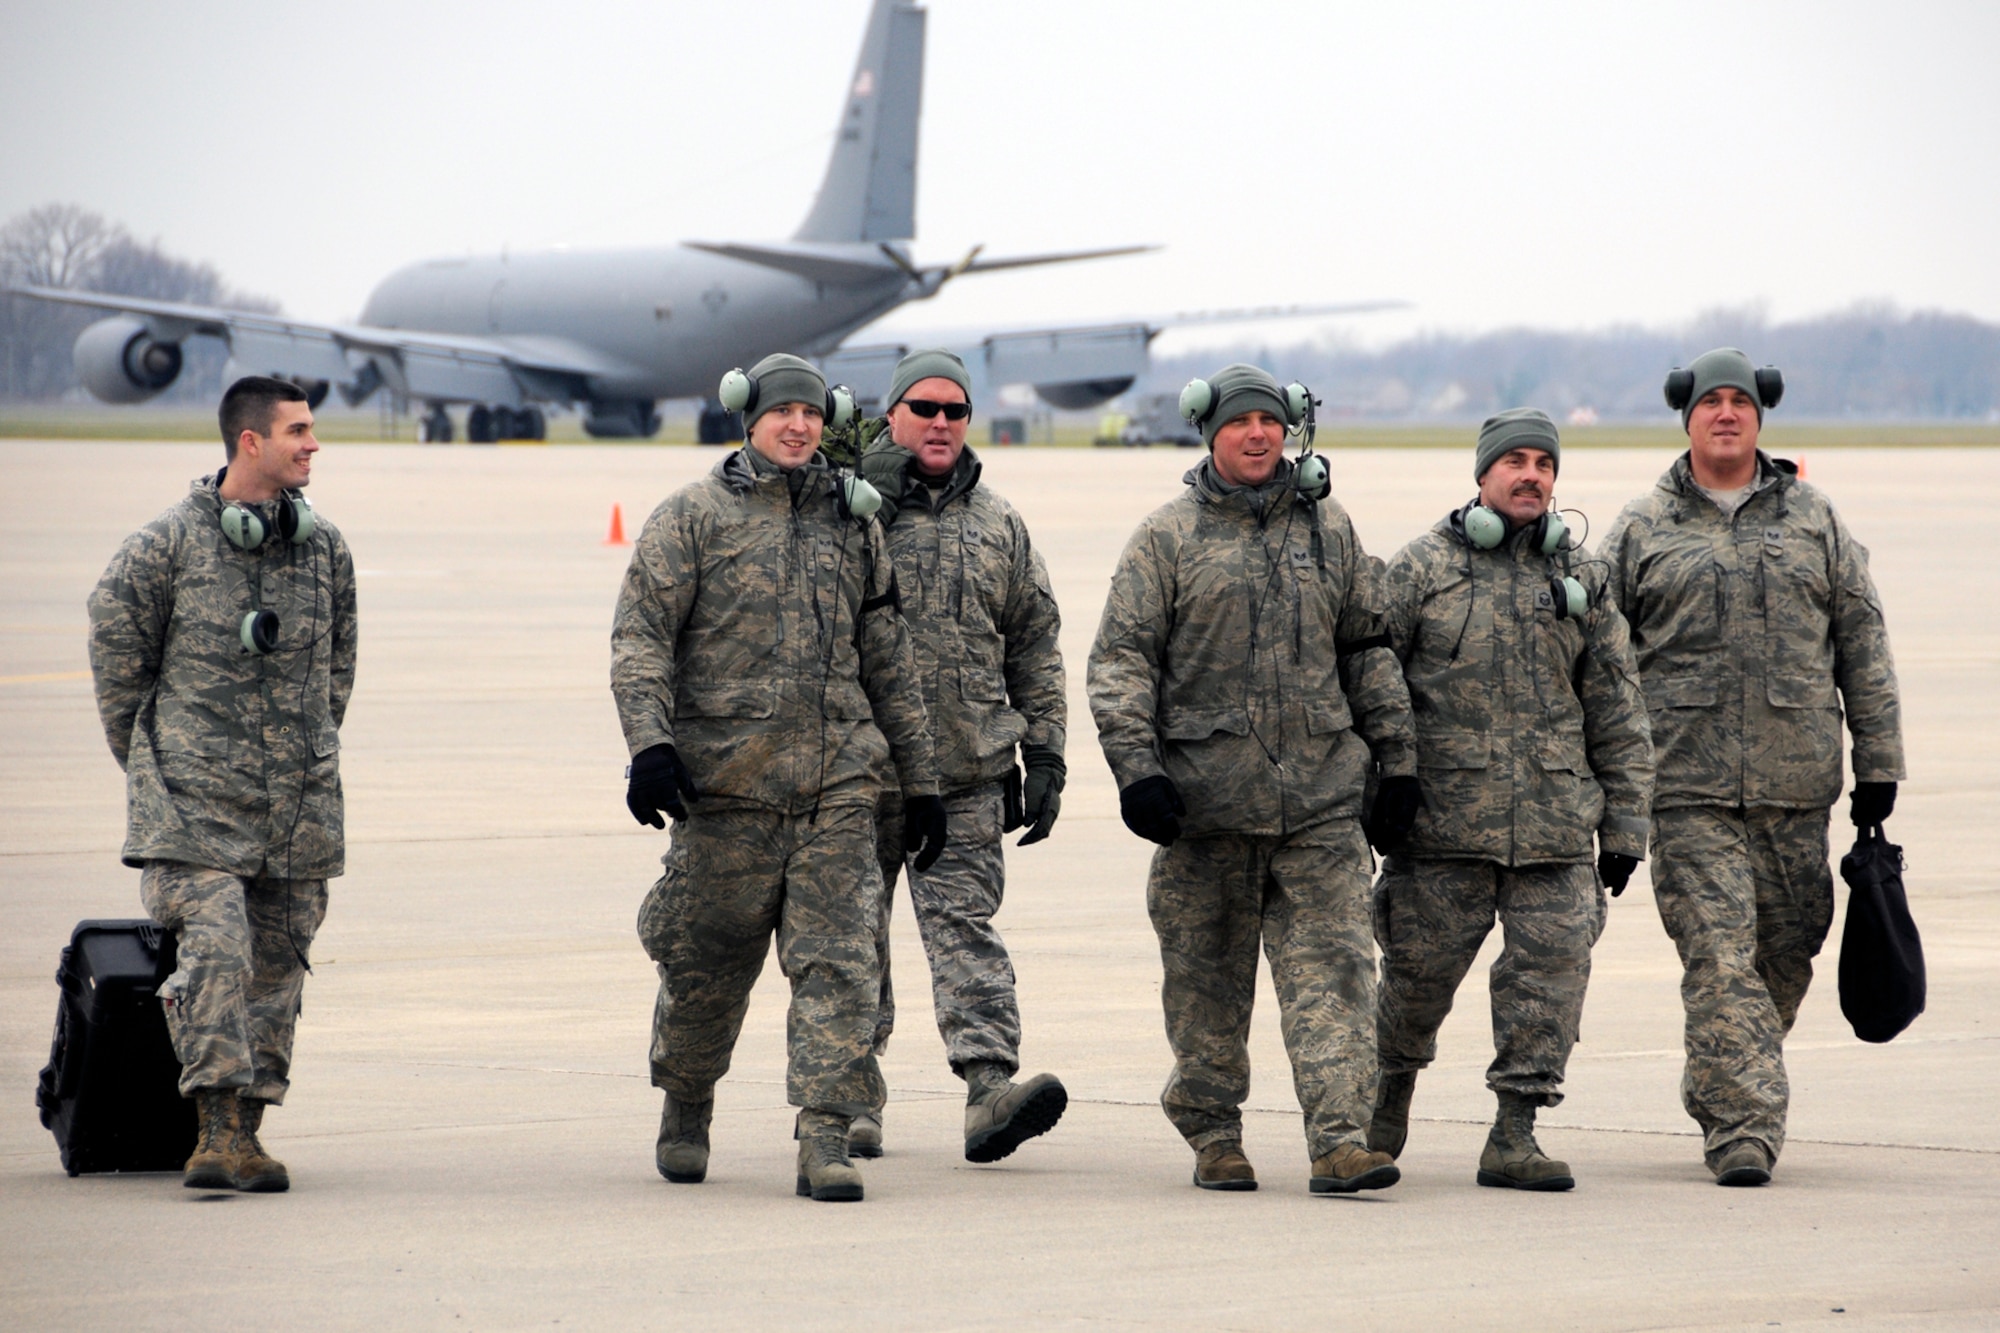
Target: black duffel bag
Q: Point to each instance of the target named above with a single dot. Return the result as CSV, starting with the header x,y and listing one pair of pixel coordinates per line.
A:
x,y
1881,957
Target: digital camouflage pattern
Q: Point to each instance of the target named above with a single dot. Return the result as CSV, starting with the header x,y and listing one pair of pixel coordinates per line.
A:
x,y
1531,730
750,873
232,760
757,632
982,619
1751,631
972,978
233,1000
984,625
1304,897
1747,896
1240,654
1220,660
659,924
1430,919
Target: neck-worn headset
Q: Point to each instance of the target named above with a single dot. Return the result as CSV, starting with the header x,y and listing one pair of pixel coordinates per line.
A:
x,y
244,526
857,497
1484,529
1199,401
1680,387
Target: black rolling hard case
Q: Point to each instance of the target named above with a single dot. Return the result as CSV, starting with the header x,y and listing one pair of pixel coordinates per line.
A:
x,y
111,1090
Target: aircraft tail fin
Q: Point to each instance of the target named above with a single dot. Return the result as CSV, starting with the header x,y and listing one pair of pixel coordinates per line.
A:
x,y
870,190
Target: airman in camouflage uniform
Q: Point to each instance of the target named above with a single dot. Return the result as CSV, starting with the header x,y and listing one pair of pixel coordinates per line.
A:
x,y
230,742
984,625
758,663
1531,737
1754,619
1243,688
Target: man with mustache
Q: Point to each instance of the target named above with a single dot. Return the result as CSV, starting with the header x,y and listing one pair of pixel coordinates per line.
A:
x,y
1754,619
1531,739
1243,691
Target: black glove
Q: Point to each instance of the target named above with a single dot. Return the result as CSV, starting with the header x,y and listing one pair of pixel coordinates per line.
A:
x,y
1870,803
1395,813
658,781
1041,791
1150,808
923,830
1615,869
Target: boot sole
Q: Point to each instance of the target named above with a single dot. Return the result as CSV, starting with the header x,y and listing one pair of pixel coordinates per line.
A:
x,y
1229,1186
828,1193
684,1177
864,1150
1549,1185
265,1184
1375,1178
1744,1175
1035,1116
209,1178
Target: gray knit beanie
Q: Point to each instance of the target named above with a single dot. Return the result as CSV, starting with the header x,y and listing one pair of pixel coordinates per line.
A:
x,y
1516,428
783,378
1723,368
1239,389
930,363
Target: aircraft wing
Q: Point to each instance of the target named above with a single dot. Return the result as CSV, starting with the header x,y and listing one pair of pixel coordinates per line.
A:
x,y
437,367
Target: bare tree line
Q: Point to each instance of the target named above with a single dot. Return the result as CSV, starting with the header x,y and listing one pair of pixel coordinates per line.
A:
x,y
62,245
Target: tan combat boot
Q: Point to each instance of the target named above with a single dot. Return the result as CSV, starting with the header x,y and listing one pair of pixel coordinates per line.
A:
x,y
257,1172
864,1134
1001,1115
1744,1162
213,1165
1512,1159
825,1174
1351,1167
1222,1166
1389,1129
682,1151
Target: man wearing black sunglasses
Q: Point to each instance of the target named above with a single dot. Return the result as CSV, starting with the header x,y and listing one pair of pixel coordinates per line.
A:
x,y
983,622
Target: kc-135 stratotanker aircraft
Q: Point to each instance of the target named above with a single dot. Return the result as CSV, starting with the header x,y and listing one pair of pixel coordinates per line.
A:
x,y
616,331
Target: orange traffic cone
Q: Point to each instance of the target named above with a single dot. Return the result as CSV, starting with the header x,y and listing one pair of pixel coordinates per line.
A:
x,y
616,537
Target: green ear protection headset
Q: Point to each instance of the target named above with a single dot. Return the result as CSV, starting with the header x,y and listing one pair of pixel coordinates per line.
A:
x,y
1198,403
859,500
1680,387
244,527
1484,530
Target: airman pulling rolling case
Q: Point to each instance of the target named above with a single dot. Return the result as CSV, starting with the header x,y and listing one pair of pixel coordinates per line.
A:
x,y
111,1091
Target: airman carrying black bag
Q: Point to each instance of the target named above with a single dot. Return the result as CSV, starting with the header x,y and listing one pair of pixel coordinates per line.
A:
x,y
1882,986
111,1091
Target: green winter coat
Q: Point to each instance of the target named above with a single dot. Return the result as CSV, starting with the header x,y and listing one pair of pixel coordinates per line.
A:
x,y
232,760
1242,654
757,632
1750,633
982,618
1531,730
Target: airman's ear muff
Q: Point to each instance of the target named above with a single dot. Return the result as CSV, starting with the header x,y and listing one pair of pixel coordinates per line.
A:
x,y
738,393
1485,529
244,526
1569,597
859,500
1198,403
259,632
1680,387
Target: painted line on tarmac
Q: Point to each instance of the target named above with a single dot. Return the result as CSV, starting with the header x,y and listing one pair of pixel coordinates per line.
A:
x,y
42,676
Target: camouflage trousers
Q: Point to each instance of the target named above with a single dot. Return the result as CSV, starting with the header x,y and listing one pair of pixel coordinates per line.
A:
x,y
1430,919
233,1002
733,879
972,978
1305,897
1747,896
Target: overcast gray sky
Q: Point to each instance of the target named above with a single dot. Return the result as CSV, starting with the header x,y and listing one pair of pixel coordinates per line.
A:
x,y
1557,164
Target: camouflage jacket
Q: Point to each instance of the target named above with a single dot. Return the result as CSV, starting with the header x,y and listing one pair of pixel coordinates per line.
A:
x,y
1242,648
982,619
758,633
1750,632
1531,731
232,761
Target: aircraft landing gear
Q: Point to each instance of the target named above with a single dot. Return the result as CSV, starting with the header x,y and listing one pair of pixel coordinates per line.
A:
x,y
435,426
718,425
490,425
479,425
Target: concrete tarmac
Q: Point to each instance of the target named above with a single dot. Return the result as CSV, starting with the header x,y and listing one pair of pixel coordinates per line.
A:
x,y
470,1128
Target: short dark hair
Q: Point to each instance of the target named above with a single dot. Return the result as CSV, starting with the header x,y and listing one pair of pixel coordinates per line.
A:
x,y
250,403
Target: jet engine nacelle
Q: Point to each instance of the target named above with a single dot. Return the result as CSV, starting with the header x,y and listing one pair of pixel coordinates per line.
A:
x,y
1076,395
119,361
